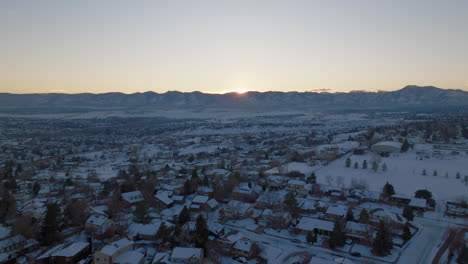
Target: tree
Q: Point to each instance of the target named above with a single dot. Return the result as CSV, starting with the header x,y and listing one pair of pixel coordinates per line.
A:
x,y
405,146
408,213
187,187
384,167
458,175
348,162
311,237
291,205
435,173
356,165
375,165
312,178
388,190
184,216
406,232
338,237
75,212
201,231
349,215
52,224
424,173
363,216
140,215
383,241
164,232
423,194
36,188
364,164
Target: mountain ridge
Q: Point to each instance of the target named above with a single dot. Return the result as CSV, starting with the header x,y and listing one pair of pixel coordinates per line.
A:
x,y
408,96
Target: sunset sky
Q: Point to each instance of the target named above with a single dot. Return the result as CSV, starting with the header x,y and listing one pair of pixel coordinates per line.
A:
x,y
221,46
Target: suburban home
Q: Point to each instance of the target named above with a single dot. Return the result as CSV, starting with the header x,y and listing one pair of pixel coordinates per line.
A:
x,y
98,223
318,226
336,211
243,247
12,243
237,210
72,253
132,198
418,204
109,253
187,255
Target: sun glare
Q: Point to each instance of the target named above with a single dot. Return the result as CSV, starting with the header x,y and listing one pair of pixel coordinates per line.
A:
x,y
240,91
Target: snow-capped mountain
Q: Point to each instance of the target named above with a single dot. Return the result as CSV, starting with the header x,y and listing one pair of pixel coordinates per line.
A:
x,y
409,96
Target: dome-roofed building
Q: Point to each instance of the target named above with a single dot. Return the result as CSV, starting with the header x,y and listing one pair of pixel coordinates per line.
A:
x,y
386,147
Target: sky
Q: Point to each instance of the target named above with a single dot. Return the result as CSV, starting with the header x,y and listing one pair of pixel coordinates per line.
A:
x,y
222,46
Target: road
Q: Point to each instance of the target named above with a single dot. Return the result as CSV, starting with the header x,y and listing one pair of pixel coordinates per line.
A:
x,y
423,247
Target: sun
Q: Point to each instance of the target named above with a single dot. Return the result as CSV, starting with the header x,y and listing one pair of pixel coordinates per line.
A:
x,y
240,91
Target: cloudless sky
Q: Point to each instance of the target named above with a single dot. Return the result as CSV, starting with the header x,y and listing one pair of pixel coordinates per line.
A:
x,y
221,46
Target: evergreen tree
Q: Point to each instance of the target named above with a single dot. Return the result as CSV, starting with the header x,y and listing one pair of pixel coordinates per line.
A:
x,y
312,178
383,243
375,165
406,232
388,190
184,216
106,189
435,173
164,232
363,216
338,237
291,205
187,187
424,173
356,165
458,175
36,188
349,215
201,231
405,146
140,215
348,162
364,164
52,224
408,213
423,194
384,167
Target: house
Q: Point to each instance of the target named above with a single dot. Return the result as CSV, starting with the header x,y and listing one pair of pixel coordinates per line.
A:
x,y
243,247
112,251
318,226
212,204
132,198
98,223
144,231
71,253
163,200
357,232
299,187
12,243
418,204
130,257
275,220
236,209
187,255
336,211
199,201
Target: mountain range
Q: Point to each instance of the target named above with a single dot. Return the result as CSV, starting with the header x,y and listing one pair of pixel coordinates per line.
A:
x,y
409,96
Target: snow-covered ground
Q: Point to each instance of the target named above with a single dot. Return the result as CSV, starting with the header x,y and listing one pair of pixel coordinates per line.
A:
x,y
404,172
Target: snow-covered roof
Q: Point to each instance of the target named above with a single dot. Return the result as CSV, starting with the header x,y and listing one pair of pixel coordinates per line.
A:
x,y
200,199
72,249
187,253
129,257
116,245
212,203
97,219
243,245
143,229
162,196
418,202
309,224
133,197
338,210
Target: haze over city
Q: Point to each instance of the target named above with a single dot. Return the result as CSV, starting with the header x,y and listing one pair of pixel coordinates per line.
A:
x,y
225,46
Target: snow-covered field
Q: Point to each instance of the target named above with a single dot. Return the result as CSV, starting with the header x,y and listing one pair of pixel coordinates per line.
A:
x,y
404,172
